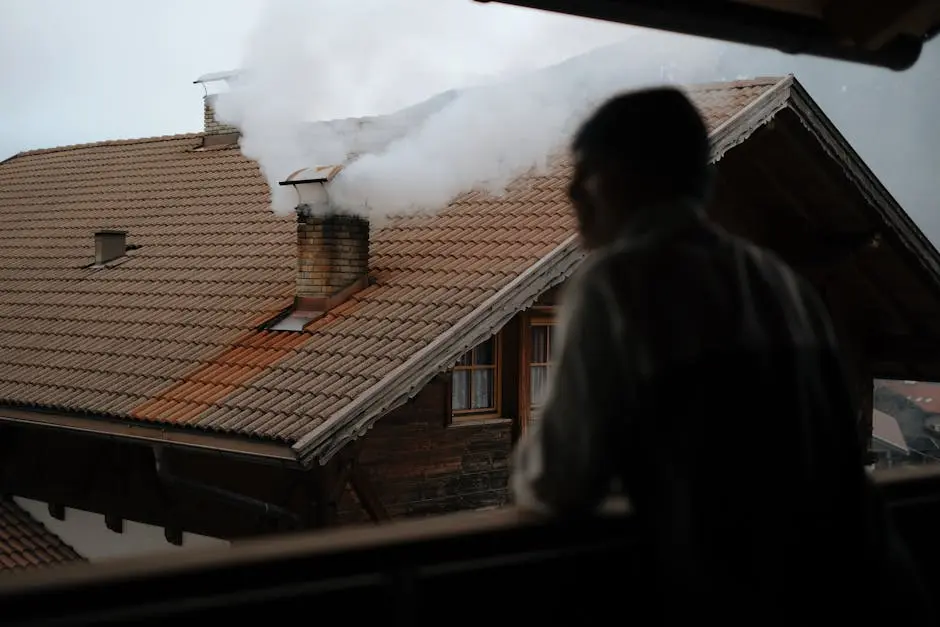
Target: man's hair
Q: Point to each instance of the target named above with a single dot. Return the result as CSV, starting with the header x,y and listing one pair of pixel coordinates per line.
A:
x,y
657,132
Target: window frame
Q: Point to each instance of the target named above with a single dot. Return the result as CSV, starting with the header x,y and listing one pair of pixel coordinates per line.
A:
x,y
462,416
538,320
537,315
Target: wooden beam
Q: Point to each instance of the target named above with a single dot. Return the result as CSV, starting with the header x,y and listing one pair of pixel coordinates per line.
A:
x,y
524,407
447,380
341,481
367,494
329,484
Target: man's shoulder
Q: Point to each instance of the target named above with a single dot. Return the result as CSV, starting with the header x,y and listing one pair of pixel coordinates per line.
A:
x,y
791,287
600,267
765,260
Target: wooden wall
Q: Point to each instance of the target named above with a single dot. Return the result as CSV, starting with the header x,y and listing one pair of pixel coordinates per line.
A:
x,y
419,464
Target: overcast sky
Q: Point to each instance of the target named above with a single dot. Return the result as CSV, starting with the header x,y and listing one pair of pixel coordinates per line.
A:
x,y
79,71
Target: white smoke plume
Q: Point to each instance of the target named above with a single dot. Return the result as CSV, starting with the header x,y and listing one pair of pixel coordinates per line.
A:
x,y
308,63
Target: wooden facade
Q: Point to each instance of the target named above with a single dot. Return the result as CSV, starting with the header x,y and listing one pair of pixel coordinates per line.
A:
x,y
424,458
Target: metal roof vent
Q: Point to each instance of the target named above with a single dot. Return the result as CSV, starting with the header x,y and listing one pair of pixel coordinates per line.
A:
x,y
310,185
109,245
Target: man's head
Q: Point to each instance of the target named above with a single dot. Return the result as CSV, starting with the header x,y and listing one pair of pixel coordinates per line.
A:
x,y
638,149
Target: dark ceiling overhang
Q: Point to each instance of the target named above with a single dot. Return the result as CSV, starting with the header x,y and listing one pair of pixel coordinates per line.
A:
x,y
795,186
886,33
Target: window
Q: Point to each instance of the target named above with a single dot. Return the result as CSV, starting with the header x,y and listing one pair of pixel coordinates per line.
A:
x,y
474,382
541,346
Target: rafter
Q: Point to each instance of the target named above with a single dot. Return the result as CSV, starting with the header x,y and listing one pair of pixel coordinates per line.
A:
x,y
368,495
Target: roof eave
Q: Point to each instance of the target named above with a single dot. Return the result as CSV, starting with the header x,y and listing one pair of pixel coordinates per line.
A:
x,y
155,434
919,249
740,126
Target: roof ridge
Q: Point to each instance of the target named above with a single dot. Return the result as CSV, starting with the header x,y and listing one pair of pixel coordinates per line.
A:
x,y
757,81
712,85
105,142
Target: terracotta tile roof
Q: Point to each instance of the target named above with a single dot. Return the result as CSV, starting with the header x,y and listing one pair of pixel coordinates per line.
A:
x,y
213,261
170,336
26,543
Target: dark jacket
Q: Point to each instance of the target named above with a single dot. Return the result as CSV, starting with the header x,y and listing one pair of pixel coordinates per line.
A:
x,y
701,375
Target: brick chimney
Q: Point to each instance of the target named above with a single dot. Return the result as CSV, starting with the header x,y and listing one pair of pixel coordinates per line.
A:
x,y
216,133
332,258
212,125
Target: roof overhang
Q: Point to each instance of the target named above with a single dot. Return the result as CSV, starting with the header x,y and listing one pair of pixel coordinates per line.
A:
x,y
799,188
154,435
886,33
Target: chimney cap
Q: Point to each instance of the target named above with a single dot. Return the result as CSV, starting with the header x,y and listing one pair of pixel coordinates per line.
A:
x,y
315,174
211,77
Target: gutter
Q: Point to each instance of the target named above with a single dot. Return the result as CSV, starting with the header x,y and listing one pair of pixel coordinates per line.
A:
x,y
247,502
200,441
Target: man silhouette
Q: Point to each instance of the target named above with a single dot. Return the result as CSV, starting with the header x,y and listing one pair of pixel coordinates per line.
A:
x,y
700,376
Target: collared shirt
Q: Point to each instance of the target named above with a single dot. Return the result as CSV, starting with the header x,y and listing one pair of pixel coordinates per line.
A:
x,y
700,375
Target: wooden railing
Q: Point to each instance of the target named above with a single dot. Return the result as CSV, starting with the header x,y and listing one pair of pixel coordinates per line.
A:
x,y
464,568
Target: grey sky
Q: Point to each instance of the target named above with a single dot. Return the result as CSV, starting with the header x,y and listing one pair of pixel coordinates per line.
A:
x,y
78,71
89,70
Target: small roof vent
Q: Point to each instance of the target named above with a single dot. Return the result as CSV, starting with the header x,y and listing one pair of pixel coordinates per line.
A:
x,y
109,245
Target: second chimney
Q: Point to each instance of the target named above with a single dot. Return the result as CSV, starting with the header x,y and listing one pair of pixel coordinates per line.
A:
x,y
212,124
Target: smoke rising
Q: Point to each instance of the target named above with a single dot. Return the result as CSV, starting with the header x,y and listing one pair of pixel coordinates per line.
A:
x,y
479,135
502,105
488,135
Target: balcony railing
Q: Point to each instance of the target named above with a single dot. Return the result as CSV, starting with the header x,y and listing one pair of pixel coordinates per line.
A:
x,y
482,566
